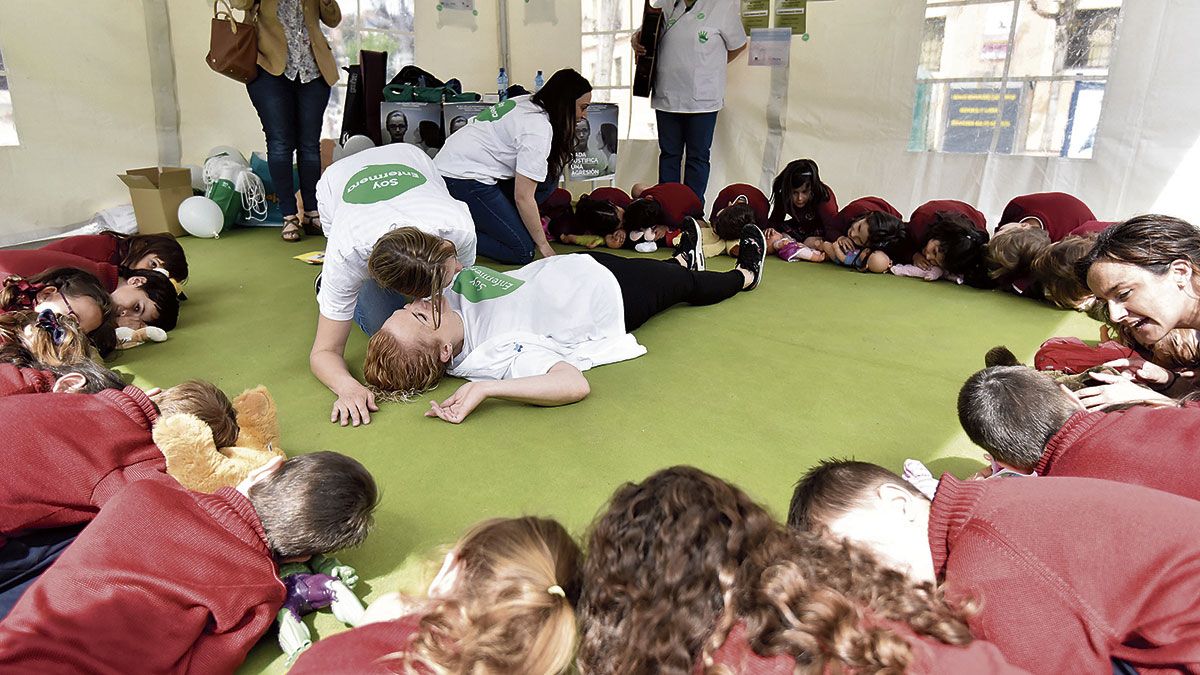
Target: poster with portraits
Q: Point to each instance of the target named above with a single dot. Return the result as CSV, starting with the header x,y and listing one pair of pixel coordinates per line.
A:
x,y
595,144
418,123
456,115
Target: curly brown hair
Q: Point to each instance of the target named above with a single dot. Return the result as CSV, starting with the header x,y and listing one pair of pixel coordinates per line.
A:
x,y
1054,269
828,605
659,577
511,611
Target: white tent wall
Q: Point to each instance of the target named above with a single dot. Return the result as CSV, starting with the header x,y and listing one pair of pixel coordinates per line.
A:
x,y
84,111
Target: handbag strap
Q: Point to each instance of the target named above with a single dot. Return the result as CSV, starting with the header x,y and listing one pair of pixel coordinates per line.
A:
x,y
250,16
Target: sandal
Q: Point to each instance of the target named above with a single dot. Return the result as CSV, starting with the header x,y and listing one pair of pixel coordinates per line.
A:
x,y
292,230
312,224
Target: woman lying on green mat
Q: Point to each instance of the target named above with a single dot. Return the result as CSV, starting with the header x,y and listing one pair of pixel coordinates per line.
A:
x,y
527,334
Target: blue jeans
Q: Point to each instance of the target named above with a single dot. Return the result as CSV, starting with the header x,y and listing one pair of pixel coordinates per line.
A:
x,y
690,131
23,559
291,114
499,231
375,304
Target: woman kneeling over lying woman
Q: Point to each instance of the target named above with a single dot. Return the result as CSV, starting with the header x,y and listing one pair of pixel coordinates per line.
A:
x,y
526,335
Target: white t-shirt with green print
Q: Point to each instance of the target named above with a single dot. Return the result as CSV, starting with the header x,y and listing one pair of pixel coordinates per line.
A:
x,y
509,138
520,323
370,193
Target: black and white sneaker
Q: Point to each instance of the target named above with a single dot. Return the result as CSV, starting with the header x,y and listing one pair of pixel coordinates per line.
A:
x,y
690,245
752,253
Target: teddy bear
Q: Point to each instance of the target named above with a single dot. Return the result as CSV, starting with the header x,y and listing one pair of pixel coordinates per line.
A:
x,y
193,458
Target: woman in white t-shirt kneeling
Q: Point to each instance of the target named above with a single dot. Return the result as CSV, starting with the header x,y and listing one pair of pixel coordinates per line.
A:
x,y
526,335
371,203
510,155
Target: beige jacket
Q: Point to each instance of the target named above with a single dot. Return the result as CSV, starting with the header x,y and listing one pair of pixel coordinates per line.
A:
x,y
272,45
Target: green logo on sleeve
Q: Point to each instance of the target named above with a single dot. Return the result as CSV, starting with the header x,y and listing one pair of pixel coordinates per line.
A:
x,y
497,111
381,182
477,284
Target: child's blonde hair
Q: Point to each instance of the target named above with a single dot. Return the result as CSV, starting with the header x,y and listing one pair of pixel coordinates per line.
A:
x,y
72,348
1010,253
205,401
511,607
1054,269
412,262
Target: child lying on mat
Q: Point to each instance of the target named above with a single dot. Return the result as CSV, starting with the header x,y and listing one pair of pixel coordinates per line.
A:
x,y
168,580
72,452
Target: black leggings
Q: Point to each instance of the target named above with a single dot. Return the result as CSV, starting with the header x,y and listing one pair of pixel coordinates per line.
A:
x,y
648,286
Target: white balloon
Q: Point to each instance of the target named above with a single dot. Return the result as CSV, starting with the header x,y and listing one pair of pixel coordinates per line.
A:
x,y
201,217
197,177
353,144
230,152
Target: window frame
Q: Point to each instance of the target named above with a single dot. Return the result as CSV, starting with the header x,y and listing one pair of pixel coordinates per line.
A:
x,y
16,138
1077,74
621,94
331,128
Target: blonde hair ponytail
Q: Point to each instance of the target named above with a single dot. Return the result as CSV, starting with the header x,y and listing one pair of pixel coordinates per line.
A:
x,y
512,606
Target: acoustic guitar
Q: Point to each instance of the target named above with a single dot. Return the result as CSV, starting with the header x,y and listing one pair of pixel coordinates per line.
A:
x,y
651,33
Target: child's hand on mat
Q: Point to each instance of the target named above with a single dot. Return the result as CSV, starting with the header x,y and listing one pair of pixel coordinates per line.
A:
x,y
1119,390
546,250
1143,371
354,405
456,408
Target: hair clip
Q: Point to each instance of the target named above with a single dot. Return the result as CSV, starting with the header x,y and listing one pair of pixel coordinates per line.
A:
x,y
557,590
48,321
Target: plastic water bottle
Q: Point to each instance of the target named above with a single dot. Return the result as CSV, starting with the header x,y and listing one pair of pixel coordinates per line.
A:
x,y
538,82
502,85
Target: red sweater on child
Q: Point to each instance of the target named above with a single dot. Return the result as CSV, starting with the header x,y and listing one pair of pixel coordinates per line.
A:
x,y
164,580
1154,447
677,201
101,248
29,262
754,198
1072,571
612,195
1059,212
360,650
68,454
861,207
922,217
1092,227
14,380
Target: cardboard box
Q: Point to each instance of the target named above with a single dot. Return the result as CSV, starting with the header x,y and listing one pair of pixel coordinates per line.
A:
x,y
156,194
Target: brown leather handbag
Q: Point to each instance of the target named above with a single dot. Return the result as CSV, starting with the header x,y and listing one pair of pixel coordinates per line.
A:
x,y
233,45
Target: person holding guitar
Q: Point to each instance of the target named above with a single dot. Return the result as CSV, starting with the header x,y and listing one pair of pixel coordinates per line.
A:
x,y
696,39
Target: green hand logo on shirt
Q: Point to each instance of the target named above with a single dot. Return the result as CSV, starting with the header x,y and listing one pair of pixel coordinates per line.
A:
x,y
381,182
479,283
497,111
703,36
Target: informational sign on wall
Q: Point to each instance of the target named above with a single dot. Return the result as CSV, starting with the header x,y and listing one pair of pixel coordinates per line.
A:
x,y
792,14
770,46
972,113
595,144
465,5
756,14
417,123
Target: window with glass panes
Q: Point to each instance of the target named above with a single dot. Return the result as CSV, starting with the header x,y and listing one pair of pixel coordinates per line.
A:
x,y
1021,77
375,25
8,128
607,49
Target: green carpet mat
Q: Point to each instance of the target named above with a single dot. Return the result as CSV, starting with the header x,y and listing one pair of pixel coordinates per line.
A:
x,y
818,362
